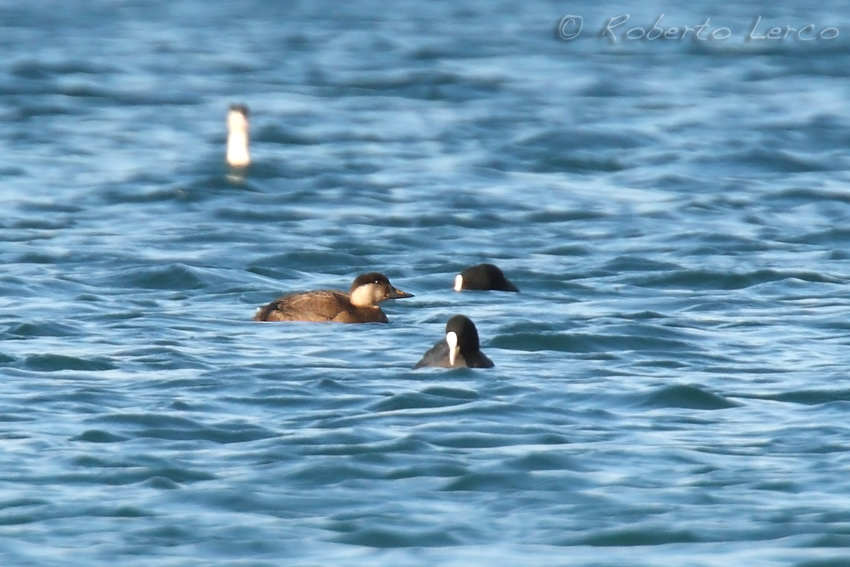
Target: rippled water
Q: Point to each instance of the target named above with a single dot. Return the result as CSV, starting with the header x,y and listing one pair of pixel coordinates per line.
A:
x,y
670,386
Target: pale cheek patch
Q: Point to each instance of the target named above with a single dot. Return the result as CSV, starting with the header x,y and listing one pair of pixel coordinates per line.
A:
x,y
366,295
458,282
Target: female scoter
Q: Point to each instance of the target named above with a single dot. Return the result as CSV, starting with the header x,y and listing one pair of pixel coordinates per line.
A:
x,y
460,347
237,136
360,305
483,277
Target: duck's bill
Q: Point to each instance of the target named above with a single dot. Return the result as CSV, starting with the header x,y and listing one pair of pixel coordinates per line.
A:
x,y
396,293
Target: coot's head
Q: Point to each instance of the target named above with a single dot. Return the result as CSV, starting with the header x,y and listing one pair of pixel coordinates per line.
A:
x,y
483,277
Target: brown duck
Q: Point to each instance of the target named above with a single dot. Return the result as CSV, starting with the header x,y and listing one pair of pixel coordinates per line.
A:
x,y
359,305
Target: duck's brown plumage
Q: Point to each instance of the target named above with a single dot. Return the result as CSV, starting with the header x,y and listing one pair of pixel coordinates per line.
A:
x,y
320,305
333,305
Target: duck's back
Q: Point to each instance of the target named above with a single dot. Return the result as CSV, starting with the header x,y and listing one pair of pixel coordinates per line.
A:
x,y
322,305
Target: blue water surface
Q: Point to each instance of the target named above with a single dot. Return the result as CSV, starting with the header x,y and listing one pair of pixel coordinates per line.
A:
x,y
670,385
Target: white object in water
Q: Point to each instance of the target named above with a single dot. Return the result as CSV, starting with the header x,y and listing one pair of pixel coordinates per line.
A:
x,y
237,136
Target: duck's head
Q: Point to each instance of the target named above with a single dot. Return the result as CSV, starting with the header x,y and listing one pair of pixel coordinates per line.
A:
x,y
368,290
